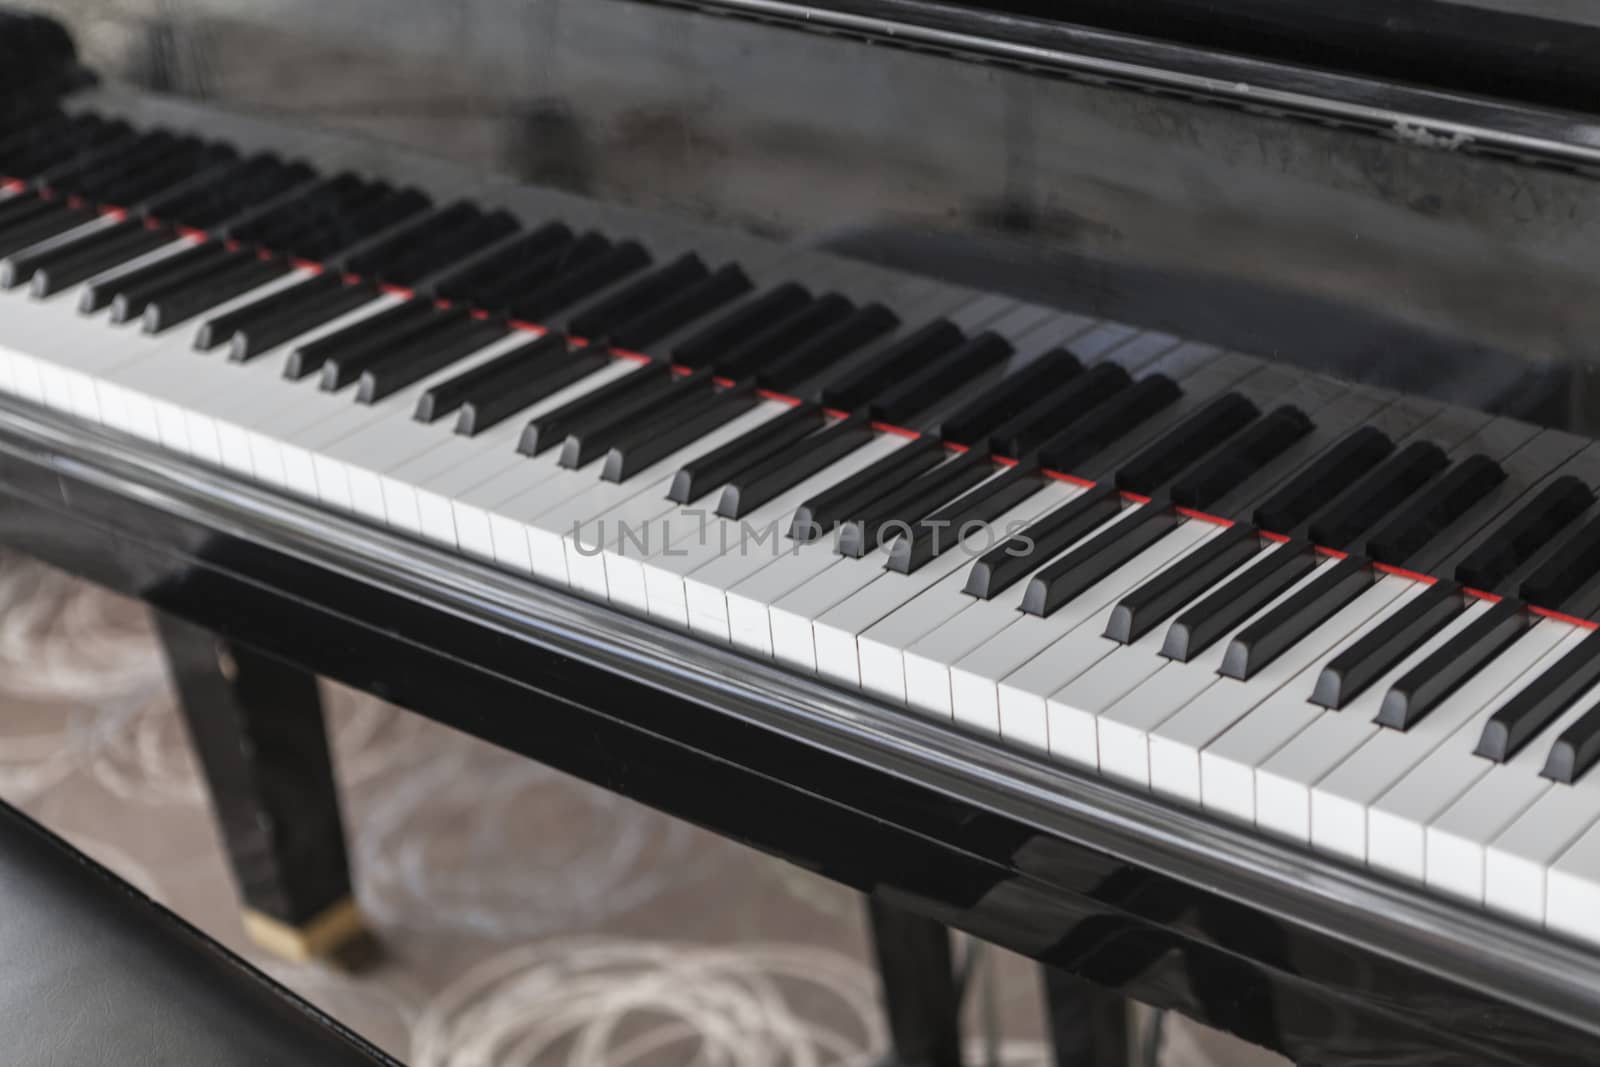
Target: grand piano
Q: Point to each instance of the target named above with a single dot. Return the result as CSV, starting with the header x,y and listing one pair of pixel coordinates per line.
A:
x,y
1117,483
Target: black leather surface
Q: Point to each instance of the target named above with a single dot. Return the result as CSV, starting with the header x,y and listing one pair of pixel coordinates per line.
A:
x,y
91,973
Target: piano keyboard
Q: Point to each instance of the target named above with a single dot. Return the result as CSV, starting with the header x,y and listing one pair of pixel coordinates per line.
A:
x,y
1357,620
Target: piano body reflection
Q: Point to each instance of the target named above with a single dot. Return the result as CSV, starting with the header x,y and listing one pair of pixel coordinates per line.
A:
x,y
1125,499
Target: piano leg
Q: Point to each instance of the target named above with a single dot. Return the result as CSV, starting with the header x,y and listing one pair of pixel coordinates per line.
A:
x,y
919,986
1088,1024
256,725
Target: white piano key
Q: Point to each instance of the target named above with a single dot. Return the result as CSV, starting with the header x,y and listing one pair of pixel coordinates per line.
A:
x,y
1397,822
1519,858
741,548
836,630
791,616
1119,738
1572,892
1075,631
1228,763
1457,841
928,659
749,618
1176,745
460,478
1072,701
1324,739
166,372
1340,799
646,490
881,647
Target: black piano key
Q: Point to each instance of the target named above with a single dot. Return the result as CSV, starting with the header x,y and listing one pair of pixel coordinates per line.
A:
x,y
1568,570
860,382
526,360
778,473
1063,581
17,269
131,191
1323,479
346,211
1008,562
378,329
259,179
816,516
670,431
711,345
102,291
244,214
896,511
1377,495
1044,418
554,264
346,366
43,157
1534,526
1352,672
1432,510
591,435
411,363
1186,443
1108,422
219,330
1280,629
1541,701
169,309
940,531
325,238
264,334
1243,455
1421,689
818,354
1161,597
484,272
95,258
1577,749
704,473
16,238
404,243
27,208
768,347
84,256
941,378
191,160
439,253
551,428
1223,611
583,280
146,152
331,197
63,175
724,284
661,284
503,400
982,416
426,263
130,299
